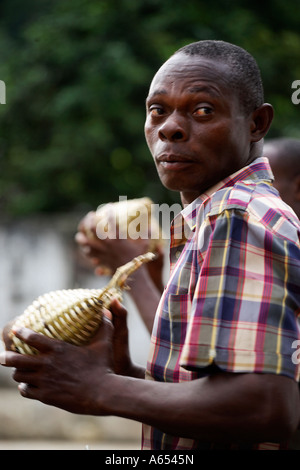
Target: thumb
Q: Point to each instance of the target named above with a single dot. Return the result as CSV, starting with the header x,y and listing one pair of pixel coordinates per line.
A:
x,y
119,318
105,331
119,314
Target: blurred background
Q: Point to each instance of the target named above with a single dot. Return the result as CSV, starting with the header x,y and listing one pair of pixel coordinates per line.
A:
x,y
71,137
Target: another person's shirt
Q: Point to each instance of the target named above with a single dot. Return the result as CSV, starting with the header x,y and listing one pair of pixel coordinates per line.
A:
x,y
233,294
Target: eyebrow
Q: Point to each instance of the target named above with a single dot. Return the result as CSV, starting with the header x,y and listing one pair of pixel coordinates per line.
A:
x,y
193,90
206,89
155,93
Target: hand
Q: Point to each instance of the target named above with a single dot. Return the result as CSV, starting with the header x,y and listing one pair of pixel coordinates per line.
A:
x,y
76,379
109,253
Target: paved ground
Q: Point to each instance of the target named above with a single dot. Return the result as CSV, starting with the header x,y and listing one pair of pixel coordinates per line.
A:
x,y
27,424
65,445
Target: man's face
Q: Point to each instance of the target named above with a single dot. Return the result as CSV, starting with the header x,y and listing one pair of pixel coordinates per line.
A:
x,y
195,127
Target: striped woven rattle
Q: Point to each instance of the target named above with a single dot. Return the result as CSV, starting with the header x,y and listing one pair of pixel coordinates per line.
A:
x,y
74,315
137,214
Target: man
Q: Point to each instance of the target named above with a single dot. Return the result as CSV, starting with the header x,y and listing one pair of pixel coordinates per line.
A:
x,y
220,371
284,157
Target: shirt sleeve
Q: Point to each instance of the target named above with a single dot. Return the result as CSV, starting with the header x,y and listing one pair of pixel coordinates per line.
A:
x,y
247,298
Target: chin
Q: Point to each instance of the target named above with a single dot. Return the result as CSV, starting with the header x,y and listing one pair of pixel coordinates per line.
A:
x,y
175,185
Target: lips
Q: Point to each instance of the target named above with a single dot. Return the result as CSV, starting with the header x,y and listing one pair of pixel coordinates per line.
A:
x,y
174,162
172,158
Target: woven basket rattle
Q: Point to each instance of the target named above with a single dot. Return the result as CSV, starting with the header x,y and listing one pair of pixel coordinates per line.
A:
x,y
74,315
135,214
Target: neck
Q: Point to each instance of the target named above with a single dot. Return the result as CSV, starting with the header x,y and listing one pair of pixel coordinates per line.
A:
x,y
256,150
188,197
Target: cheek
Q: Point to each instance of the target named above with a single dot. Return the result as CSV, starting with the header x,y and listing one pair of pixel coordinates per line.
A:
x,y
148,131
212,134
214,141
233,147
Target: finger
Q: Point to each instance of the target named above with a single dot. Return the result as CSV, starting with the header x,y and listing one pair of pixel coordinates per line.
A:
x,y
104,332
6,335
81,238
91,243
119,313
26,376
36,340
19,361
86,221
89,227
84,243
27,390
107,314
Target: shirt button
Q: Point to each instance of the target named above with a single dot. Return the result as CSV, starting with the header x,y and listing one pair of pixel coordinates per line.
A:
x,y
177,254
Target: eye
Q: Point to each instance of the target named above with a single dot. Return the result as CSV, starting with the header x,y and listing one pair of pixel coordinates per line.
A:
x,y
156,110
203,111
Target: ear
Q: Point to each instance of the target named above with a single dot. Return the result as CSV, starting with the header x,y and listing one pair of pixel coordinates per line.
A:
x,y
261,120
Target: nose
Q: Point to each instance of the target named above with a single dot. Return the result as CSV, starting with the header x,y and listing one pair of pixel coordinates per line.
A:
x,y
174,128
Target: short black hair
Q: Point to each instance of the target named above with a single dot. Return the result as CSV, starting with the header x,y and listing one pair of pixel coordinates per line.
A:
x,y
244,72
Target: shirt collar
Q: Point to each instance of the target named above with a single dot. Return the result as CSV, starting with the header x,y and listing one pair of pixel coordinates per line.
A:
x,y
258,170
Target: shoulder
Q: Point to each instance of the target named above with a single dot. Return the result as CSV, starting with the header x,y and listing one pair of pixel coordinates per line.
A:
x,y
257,202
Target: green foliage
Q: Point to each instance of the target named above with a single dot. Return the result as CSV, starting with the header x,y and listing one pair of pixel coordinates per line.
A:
x,y
77,74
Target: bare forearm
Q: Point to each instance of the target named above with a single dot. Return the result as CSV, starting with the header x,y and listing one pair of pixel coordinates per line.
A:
x,y
135,372
208,409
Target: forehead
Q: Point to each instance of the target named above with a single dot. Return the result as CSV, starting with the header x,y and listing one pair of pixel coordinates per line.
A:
x,y
191,73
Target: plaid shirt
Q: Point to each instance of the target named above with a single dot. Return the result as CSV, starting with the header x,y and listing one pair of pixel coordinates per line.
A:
x,y
233,294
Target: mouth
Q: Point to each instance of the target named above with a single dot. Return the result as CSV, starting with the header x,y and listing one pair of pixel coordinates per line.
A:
x,y
174,162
